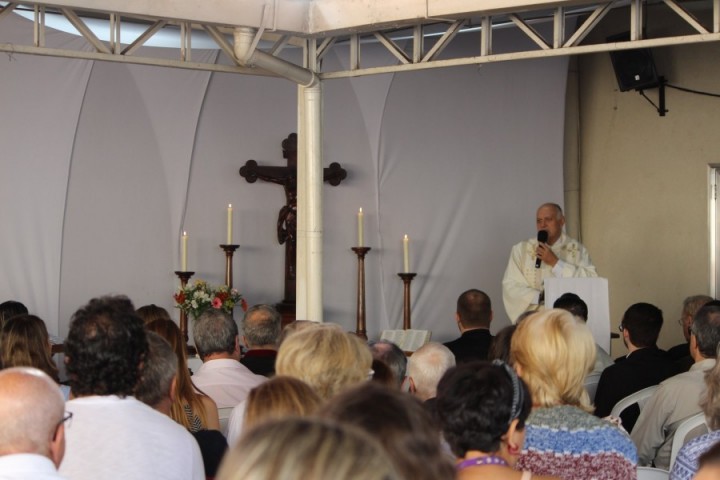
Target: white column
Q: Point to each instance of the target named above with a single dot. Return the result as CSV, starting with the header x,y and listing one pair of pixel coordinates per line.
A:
x,y
309,294
301,301
310,227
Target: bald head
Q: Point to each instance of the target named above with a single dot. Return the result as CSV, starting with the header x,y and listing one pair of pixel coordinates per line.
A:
x,y
31,414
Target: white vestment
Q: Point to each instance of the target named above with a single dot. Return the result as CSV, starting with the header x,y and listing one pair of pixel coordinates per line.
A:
x,y
523,283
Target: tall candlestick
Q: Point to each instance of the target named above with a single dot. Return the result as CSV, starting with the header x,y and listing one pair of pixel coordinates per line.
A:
x,y
183,252
229,224
360,227
406,254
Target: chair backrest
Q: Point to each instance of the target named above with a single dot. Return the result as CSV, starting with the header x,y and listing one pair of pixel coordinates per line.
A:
x,y
591,383
224,414
686,431
639,397
650,473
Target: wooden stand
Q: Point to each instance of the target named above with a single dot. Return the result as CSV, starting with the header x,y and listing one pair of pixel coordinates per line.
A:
x,y
229,250
184,277
360,325
407,279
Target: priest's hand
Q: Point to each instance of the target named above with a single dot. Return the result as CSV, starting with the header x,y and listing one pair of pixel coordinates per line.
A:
x,y
545,253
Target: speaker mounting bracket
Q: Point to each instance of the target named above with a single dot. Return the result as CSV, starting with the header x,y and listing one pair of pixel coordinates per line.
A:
x,y
662,81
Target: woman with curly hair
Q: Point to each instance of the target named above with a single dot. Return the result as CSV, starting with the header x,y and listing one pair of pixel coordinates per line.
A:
x,y
24,342
553,352
192,409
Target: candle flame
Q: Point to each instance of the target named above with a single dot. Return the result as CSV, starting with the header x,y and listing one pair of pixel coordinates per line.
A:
x,y
229,205
184,233
360,209
406,237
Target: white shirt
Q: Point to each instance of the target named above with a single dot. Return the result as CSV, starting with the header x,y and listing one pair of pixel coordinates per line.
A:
x,y
227,381
25,466
122,438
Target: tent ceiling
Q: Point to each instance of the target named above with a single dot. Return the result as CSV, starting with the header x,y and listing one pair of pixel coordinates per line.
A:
x,y
415,32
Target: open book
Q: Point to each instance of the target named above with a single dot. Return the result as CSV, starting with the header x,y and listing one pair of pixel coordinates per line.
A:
x,y
407,340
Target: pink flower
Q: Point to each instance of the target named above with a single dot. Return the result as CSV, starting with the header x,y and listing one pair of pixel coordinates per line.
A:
x,y
217,303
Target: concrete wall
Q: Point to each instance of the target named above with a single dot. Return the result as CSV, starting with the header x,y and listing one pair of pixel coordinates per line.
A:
x,y
644,180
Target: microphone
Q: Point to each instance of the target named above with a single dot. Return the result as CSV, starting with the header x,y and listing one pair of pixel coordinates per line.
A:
x,y
542,237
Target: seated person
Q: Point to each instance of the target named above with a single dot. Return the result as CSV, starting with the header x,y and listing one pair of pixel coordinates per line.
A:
x,y
400,423
709,464
32,441
681,353
191,408
552,352
473,316
221,376
323,356
24,342
686,462
280,397
482,408
678,397
644,365
113,434
307,448
156,389
577,306
392,356
261,328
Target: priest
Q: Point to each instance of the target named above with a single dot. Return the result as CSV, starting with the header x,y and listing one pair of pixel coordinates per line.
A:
x,y
552,254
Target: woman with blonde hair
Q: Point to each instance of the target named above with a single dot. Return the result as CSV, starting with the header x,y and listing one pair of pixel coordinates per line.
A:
x,y
553,352
325,357
306,449
24,342
280,397
191,408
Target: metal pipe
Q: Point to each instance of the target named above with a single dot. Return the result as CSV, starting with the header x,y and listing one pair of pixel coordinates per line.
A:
x,y
251,57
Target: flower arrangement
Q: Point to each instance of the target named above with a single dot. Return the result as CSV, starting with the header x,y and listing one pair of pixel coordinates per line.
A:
x,y
198,296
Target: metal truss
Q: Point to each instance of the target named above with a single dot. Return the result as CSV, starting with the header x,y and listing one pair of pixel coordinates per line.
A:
x,y
552,32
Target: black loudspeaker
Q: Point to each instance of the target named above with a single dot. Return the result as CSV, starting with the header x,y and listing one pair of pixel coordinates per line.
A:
x,y
634,69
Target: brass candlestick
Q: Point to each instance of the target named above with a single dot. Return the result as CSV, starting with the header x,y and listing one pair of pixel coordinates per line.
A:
x,y
407,279
360,324
184,277
229,250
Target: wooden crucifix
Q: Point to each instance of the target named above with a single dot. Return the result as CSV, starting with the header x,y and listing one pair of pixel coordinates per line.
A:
x,y
287,218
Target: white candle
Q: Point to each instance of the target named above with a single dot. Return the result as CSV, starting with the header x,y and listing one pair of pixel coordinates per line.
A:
x,y
406,254
229,224
360,227
183,252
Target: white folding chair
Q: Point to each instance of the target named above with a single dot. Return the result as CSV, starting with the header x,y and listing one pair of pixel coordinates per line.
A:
x,y
650,473
690,428
640,397
591,383
224,414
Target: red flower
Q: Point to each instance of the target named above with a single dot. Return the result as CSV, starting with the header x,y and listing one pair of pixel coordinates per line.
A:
x,y
217,303
243,305
179,297
222,296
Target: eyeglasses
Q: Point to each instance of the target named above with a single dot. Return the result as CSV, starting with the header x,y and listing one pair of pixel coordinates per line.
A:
x,y
621,327
66,418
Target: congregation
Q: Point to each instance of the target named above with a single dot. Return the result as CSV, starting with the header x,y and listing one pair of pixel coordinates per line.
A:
x,y
539,399
317,402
